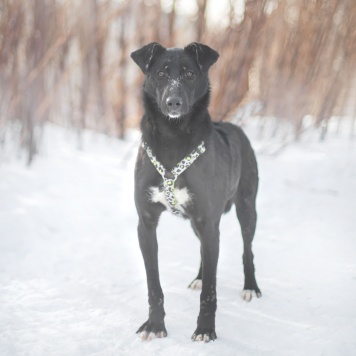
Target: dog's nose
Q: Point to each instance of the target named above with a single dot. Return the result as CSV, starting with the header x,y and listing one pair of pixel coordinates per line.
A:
x,y
173,102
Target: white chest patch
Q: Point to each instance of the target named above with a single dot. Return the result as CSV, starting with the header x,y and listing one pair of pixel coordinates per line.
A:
x,y
183,197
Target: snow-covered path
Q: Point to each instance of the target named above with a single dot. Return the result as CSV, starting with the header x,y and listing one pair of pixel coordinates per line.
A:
x,y
72,279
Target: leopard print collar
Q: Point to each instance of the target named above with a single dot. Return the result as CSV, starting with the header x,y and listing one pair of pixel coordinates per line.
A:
x,y
169,177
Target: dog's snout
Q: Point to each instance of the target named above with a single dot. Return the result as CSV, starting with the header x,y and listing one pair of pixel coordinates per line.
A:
x,y
174,102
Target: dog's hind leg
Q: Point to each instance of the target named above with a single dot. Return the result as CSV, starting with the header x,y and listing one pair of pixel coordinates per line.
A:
x,y
245,201
197,282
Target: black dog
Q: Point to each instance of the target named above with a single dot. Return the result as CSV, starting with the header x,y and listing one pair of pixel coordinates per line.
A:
x,y
194,168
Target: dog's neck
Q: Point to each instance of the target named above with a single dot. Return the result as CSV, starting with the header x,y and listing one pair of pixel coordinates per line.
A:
x,y
171,139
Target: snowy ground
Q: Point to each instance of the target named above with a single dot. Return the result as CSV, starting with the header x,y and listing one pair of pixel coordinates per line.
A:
x,y
72,279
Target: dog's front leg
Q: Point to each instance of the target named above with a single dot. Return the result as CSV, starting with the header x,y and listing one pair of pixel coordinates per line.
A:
x,y
209,237
154,326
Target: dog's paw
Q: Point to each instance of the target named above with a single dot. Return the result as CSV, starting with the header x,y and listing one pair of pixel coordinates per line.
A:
x,y
151,330
205,335
248,294
148,336
196,284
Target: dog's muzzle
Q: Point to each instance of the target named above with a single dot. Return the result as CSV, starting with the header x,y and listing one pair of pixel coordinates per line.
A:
x,y
174,105
174,101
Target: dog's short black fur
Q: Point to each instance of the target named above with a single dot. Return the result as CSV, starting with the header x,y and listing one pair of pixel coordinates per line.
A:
x,y
176,120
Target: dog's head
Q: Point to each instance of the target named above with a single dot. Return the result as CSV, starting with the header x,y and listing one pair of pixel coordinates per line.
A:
x,y
176,78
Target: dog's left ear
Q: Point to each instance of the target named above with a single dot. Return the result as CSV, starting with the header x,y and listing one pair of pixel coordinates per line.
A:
x,y
203,55
144,56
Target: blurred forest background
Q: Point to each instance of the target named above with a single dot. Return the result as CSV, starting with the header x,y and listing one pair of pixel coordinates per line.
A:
x,y
68,62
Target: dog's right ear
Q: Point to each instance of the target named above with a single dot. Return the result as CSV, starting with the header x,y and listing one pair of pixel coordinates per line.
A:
x,y
143,57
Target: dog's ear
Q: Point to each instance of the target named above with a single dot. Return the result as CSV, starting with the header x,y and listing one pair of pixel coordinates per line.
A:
x,y
203,55
143,57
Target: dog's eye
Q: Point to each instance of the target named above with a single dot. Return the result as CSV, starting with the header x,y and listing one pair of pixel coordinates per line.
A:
x,y
160,73
189,74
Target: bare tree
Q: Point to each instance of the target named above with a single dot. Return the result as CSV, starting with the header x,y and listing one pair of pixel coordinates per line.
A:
x,y
238,45
201,22
68,62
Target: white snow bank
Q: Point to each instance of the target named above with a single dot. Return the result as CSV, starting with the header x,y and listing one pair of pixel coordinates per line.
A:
x,y
72,279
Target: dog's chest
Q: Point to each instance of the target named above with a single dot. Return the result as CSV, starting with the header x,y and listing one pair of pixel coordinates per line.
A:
x,y
182,196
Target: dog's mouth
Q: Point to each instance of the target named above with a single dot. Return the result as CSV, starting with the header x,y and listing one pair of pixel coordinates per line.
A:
x,y
174,115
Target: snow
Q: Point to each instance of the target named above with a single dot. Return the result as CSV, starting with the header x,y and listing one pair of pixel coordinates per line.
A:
x,y
72,279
